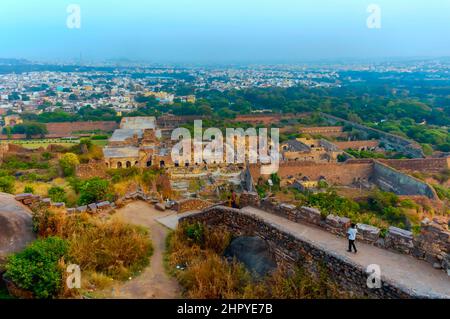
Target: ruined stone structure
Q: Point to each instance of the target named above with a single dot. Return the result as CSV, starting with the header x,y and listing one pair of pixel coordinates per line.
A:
x,y
266,119
68,129
191,204
331,131
291,249
135,143
370,145
425,165
391,180
91,169
390,141
3,150
306,149
334,173
353,173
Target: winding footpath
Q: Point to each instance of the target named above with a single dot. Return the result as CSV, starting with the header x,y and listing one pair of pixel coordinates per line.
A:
x,y
153,282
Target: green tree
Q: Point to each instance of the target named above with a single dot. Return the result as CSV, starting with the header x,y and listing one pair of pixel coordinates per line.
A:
x,y
94,190
68,163
57,194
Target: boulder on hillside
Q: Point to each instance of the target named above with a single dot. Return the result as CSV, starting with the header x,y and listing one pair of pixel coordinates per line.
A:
x,y
16,226
254,253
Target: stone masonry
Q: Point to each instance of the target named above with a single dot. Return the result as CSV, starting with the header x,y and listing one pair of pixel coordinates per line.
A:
x,y
432,245
292,250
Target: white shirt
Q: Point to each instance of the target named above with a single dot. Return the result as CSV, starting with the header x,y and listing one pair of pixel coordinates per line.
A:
x,y
352,233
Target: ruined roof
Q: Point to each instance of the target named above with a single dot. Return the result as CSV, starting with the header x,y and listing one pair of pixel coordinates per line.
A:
x,y
296,146
138,123
121,135
121,152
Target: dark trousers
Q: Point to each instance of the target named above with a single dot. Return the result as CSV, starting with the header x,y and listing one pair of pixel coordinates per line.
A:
x,y
351,243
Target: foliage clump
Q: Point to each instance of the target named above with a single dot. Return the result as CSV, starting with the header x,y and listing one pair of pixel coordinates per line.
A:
x,y
37,268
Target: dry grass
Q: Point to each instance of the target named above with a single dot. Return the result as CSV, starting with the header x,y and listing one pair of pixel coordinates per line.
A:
x,y
123,187
205,274
110,247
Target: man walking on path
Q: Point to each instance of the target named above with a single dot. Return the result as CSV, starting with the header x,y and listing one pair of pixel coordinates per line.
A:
x,y
352,231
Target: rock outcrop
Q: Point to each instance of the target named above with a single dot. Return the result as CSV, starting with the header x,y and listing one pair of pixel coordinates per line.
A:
x,y
16,227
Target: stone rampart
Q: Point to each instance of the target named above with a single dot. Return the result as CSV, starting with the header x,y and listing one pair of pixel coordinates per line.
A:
x,y
293,249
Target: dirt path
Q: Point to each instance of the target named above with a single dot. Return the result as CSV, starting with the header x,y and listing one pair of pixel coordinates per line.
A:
x,y
153,282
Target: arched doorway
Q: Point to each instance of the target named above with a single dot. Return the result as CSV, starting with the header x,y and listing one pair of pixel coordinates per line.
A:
x,y
149,163
128,164
162,164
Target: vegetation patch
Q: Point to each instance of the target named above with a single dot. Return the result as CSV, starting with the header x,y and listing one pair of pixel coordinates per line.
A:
x,y
105,249
195,258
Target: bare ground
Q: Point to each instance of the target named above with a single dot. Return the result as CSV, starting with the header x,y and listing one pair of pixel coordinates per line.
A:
x,y
153,282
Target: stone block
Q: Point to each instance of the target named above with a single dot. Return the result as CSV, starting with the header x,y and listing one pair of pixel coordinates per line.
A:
x,y
47,202
336,224
82,209
103,205
21,197
249,199
160,206
368,233
59,205
32,199
400,240
71,211
310,215
92,208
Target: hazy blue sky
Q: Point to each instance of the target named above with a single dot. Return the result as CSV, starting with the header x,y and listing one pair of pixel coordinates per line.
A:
x,y
223,30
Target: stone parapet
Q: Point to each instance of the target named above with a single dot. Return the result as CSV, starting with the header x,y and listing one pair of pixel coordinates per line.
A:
x,y
290,249
400,240
93,208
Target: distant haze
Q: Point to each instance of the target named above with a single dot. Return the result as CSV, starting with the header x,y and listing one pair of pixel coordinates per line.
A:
x,y
223,31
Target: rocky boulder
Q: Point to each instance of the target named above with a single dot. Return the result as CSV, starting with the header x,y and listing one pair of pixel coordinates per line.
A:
x,y
254,253
16,227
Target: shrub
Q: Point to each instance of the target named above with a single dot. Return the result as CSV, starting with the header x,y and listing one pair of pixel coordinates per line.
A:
x,y
118,175
7,184
99,137
37,267
195,232
28,189
57,194
94,190
68,163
